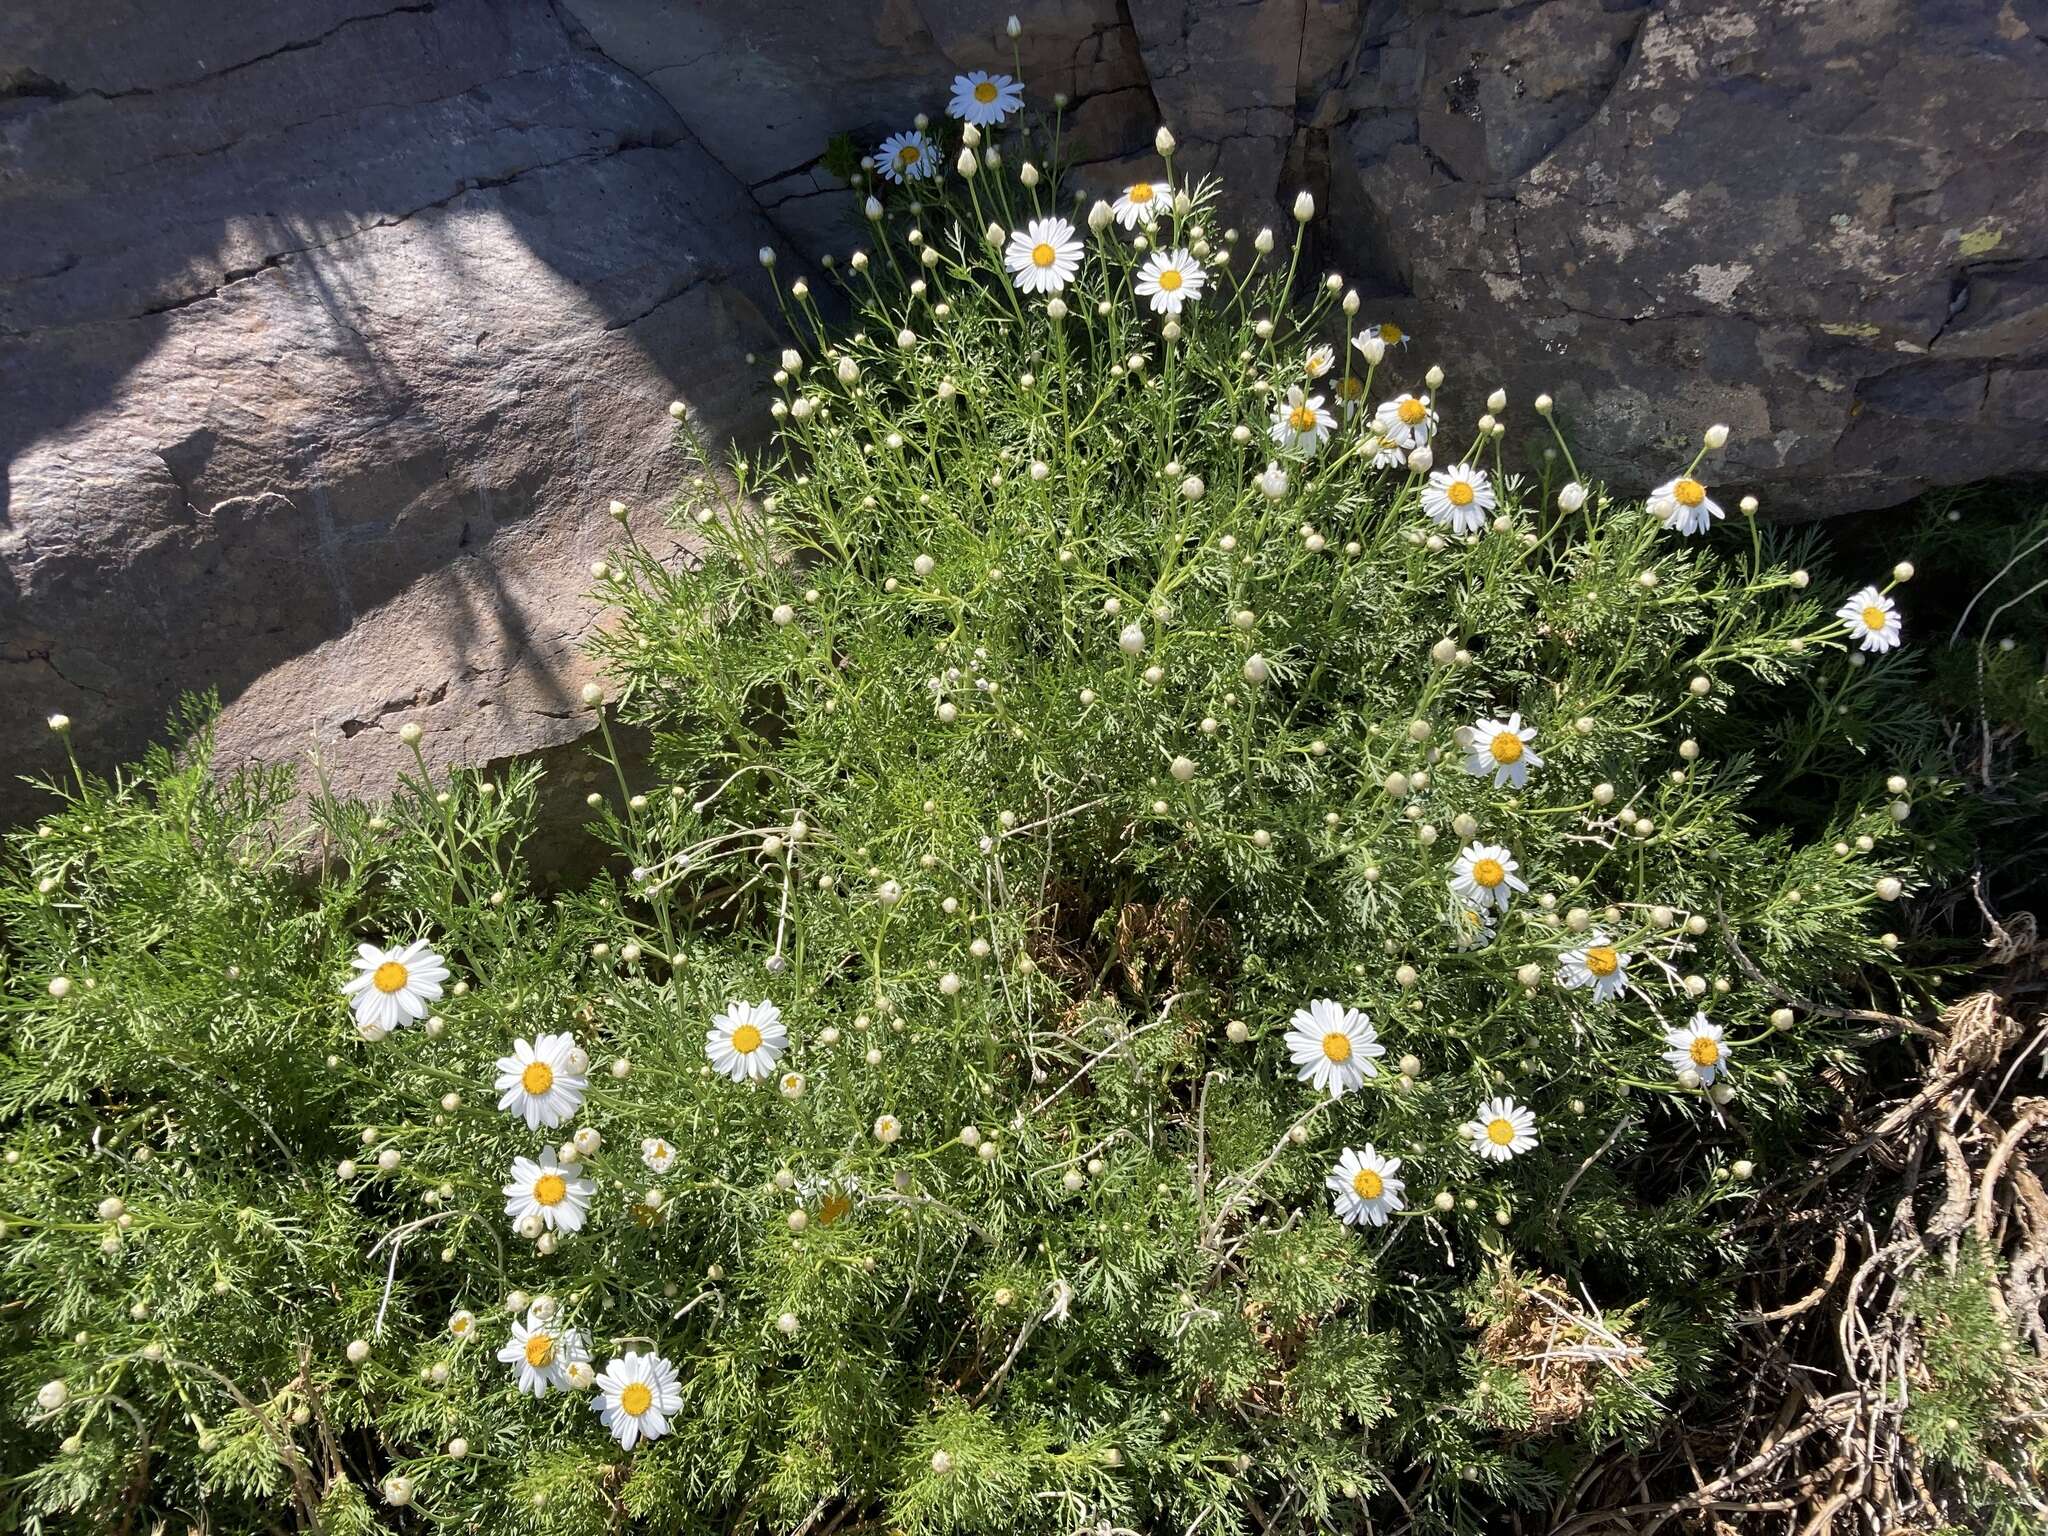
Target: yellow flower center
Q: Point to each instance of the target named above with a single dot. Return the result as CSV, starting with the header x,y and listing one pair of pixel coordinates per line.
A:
x,y
637,1398
1873,617
1367,1185
909,154
1460,493
832,1207
538,1077
1411,411
1688,492
1506,748
984,93
1391,334
746,1039
1043,255
540,1349
1351,389
1170,280
388,977
1141,193
1337,1045
1302,419
1601,960
1705,1051
1501,1132
1488,872
550,1189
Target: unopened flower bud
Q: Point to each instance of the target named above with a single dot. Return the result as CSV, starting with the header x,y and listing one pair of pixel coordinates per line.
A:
x,y
1162,141
1304,207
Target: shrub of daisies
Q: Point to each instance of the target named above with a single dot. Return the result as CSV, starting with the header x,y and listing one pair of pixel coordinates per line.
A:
x,y
1200,951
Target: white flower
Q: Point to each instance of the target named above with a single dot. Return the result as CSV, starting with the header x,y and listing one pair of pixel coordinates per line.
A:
x,y
1320,361
1043,256
1406,419
543,1355
394,986
1501,1129
1697,1047
1471,928
746,1040
1458,498
1300,423
461,1323
635,1396
548,1192
1367,1187
1484,876
1871,618
1350,395
906,157
539,1080
1333,1046
1274,481
1389,334
984,99
1501,748
1138,204
658,1155
1596,964
1692,510
1169,279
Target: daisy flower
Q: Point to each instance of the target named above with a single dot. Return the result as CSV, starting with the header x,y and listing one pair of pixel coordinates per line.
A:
x,y
1596,964
549,1192
635,1396
1137,203
1458,498
1407,420
1300,423
1484,876
1367,1187
461,1323
1169,279
1350,395
540,1080
1384,452
1320,360
745,1041
1690,510
1501,748
1471,928
1500,1129
1333,1046
1697,1047
984,99
906,157
657,1154
1390,335
1043,256
1870,617
829,1199
393,986
543,1355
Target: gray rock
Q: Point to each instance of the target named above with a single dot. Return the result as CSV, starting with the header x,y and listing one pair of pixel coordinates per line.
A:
x,y
1822,224
325,339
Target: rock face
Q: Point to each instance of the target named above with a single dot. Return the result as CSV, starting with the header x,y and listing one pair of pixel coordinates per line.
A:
x,y
327,333
1824,224
329,327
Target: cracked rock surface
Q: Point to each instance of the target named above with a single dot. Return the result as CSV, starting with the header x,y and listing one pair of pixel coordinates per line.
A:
x,y
327,333
329,327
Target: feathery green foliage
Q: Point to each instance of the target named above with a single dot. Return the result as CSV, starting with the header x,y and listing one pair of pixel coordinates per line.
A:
x,y
1039,751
